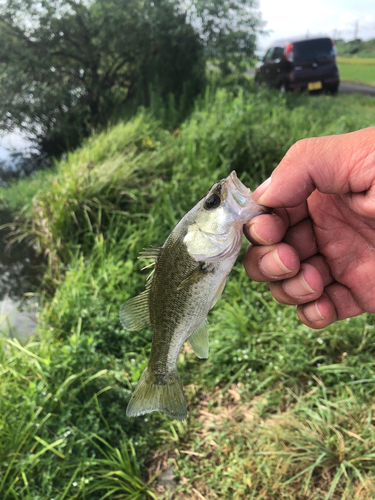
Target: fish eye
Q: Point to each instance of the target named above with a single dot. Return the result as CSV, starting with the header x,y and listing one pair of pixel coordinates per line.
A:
x,y
212,202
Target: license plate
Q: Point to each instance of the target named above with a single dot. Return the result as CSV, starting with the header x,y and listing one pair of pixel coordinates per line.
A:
x,y
314,85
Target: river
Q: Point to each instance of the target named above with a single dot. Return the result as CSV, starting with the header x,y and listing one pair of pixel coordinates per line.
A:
x,y
19,267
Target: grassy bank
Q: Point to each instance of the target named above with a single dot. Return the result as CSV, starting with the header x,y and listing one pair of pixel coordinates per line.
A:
x,y
277,411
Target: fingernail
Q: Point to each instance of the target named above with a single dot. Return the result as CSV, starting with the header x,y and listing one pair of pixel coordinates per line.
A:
x,y
258,238
298,286
312,312
260,190
272,265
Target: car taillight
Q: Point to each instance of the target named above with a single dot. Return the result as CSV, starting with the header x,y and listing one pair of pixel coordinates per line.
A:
x,y
333,50
289,53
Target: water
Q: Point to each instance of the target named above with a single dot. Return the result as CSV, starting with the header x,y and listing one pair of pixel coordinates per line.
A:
x,y
11,143
19,267
20,270
18,320
19,157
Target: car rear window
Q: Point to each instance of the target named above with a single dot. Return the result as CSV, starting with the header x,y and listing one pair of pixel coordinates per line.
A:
x,y
307,50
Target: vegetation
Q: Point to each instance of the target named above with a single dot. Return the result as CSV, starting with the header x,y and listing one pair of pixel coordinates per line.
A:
x,y
357,72
356,60
228,30
67,65
277,411
70,66
356,48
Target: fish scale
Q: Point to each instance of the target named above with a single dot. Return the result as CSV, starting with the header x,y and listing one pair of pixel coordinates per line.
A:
x,y
189,276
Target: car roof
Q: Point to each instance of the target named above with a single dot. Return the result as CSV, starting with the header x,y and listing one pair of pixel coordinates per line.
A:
x,y
283,42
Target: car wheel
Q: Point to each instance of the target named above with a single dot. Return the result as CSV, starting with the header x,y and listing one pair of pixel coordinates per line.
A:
x,y
333,90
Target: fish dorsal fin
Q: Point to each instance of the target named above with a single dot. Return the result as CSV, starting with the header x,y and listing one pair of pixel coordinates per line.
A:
x,y
211,247
150,253
134,314
199,340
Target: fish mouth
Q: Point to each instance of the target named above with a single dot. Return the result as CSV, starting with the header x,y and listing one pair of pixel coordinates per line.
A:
x,y
236,181
239,191
242,203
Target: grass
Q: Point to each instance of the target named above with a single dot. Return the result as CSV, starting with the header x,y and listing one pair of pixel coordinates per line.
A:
x,y
357,69
358,72
354,61
317,447
277,411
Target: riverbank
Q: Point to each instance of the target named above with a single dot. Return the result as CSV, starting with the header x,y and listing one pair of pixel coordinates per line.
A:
x,y
63,397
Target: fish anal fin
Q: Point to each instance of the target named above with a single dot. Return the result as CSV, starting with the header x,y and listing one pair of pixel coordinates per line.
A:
x,y
134,314
199,340
163,394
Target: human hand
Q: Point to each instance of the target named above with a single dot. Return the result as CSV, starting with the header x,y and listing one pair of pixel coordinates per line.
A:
x,y
318,247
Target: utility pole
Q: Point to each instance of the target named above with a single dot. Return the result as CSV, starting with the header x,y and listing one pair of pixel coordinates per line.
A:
x,y
356,30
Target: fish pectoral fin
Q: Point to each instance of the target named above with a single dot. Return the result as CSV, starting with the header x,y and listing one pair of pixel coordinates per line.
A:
x,y
207,267
199,340
134,314
218,293
193,278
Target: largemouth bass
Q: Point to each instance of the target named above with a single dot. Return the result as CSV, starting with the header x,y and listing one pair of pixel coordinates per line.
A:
x,y
190,272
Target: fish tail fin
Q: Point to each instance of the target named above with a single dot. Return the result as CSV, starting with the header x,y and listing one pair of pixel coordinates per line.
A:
x,y
163,394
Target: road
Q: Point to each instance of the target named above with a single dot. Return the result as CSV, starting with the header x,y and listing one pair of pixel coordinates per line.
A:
x,y
345,87
356,88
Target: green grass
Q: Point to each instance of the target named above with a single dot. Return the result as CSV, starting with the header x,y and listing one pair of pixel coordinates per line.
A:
x,y
357,73
277,411
50,408
361,61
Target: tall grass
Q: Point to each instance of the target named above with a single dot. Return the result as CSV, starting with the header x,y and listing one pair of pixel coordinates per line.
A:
x,y
64,433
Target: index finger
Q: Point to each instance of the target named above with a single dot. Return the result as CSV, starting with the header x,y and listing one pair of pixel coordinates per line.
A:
x,y
334,165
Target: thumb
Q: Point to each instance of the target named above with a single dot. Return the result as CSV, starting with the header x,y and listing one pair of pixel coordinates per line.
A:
x,y
362,203
338,164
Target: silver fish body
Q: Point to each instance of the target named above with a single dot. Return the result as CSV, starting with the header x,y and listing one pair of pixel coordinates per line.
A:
x,y
190,274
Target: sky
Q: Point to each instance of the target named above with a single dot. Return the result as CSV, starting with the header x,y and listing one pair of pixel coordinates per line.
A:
x,y
336,18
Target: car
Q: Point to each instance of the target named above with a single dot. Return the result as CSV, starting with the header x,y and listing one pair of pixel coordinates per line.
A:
x,y
300,64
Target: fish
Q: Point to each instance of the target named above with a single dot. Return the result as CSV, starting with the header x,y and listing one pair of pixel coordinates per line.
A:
x,y
188,279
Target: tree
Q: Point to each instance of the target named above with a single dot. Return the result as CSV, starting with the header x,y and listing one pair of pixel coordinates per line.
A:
x,y
65,65
228,29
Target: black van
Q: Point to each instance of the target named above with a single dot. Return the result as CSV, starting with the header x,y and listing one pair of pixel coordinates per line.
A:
x,y
300,63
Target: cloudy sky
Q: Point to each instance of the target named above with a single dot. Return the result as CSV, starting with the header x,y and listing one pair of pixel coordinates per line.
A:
x,y
336,18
